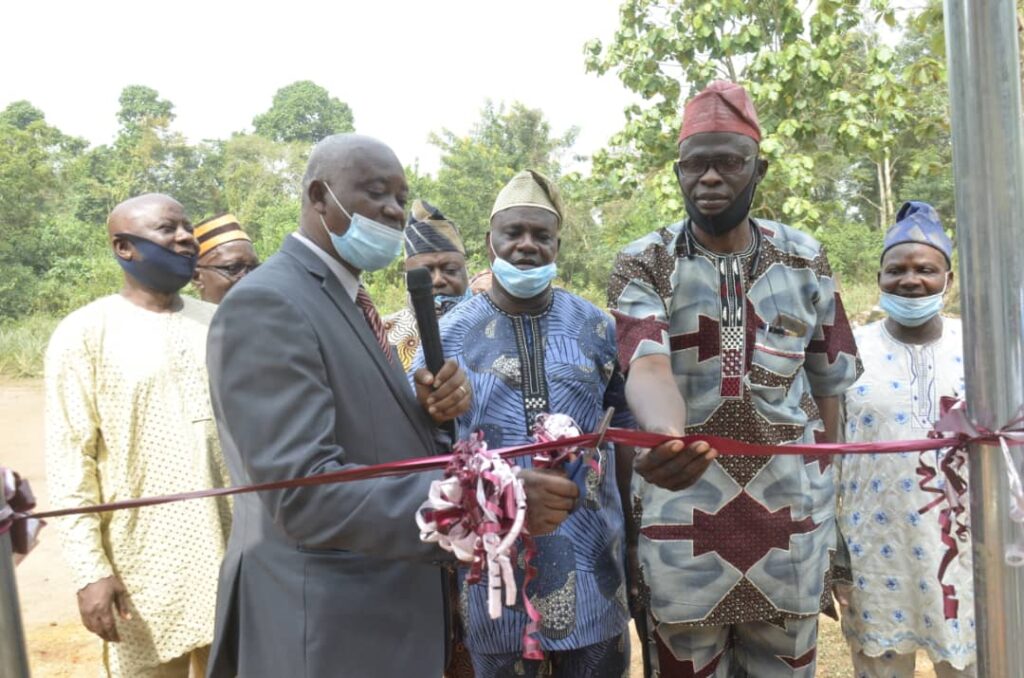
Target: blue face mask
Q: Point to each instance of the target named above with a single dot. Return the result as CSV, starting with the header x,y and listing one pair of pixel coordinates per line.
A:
x,y
367,244
446,302
912,311
157,267
523,283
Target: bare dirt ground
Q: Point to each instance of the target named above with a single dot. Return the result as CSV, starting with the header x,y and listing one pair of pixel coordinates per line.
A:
x,y
58,645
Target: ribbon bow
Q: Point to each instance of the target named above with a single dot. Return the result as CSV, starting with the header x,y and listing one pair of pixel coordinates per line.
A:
x,y
477,512
16,500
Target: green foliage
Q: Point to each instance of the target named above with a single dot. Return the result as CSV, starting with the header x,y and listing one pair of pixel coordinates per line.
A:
x,y
853,124
853,251
306,112
835,104
23,344
142,108
20,114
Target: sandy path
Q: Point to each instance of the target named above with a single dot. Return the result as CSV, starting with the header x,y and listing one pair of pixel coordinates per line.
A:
x,y
59,647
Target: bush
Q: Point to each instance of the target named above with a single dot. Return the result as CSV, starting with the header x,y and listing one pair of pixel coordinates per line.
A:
x,y
23,344
853,251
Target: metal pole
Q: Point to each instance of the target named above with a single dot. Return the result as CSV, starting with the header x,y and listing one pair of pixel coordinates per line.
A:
x,y
13,658
988,154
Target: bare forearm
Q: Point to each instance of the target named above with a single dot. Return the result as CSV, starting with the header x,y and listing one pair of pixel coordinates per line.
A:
x,y
653,396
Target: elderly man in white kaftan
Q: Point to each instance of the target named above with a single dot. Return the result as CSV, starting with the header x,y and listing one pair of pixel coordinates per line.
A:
x,y
128,415
891,577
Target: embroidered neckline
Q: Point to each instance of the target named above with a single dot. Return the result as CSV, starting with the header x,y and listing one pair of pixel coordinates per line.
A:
x,y
540,314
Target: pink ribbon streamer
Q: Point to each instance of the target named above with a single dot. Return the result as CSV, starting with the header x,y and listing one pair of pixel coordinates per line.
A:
x,y
16,501
477,512
955,421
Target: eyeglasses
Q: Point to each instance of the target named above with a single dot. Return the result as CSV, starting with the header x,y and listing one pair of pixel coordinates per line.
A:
x,y
232,271
697,166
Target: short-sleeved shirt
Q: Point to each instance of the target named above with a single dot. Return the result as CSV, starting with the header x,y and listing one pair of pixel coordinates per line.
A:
x,y
753,337
562,360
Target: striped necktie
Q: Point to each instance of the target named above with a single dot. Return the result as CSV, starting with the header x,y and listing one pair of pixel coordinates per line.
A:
x,y
365,304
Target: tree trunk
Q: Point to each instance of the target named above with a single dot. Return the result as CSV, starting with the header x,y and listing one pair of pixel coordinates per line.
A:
x,y
886,209
887,196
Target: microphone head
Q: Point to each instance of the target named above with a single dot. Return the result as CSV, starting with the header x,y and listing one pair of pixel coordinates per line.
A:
x,y
419,280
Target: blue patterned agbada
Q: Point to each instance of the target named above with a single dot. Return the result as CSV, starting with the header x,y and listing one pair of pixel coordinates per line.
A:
x,y
561,360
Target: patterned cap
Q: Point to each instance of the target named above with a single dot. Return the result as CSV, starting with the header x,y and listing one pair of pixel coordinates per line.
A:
x,y
217,231
429,231
918,222
722,106
530,189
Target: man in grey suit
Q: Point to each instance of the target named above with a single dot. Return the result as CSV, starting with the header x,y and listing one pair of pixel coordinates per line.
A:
x,y
333,580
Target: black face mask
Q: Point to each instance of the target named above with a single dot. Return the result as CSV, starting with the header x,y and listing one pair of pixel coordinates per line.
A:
x,y
729,218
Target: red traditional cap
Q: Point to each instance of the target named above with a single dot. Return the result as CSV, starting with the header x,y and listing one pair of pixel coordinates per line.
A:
x,y
722,106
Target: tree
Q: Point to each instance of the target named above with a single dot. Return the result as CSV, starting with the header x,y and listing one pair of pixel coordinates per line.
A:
x,y
261,181
20,114
142,108
306,112
820,80
34,158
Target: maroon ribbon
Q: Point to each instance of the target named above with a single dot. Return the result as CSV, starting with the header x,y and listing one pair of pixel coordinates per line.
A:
x,y
725,446
17,500
953,419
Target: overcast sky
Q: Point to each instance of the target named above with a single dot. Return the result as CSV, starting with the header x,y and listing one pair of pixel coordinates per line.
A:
x,y
406,68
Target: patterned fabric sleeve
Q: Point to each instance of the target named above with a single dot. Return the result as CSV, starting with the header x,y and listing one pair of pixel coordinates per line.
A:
x,y
832,363
72,448
615,391
639,284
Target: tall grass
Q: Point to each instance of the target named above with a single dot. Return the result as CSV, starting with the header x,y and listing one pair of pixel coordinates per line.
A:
x,y
860,300
23,343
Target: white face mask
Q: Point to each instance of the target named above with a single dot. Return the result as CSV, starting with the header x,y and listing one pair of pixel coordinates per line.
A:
x,y
367,244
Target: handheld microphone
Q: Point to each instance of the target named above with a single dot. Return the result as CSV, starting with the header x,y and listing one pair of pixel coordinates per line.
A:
x,y
421,292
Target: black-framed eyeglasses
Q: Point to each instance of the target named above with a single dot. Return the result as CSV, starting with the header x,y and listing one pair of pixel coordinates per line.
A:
x,y
232,271
698,165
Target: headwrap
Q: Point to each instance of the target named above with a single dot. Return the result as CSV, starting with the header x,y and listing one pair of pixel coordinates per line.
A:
x,y
429,231
918,222
217,231
722,106
530,189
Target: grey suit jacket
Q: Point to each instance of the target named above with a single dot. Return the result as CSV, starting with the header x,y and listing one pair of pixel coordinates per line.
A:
x,y
329,580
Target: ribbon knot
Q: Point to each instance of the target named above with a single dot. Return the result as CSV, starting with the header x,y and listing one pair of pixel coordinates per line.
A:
x,y
16,500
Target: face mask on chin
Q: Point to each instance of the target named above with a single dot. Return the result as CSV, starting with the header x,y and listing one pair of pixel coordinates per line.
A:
x,y
156,267
525,283
913,311
729,218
